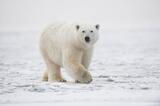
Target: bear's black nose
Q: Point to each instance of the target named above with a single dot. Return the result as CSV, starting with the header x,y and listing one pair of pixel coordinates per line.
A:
x,y
87,39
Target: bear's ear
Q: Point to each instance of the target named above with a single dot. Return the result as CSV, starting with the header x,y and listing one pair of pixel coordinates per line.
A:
x,y
77,27
97,26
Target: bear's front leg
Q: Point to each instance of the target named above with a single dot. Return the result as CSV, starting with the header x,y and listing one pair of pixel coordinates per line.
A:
x,y
72,63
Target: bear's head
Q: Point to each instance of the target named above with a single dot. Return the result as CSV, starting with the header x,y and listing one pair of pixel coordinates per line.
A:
x,y
87,34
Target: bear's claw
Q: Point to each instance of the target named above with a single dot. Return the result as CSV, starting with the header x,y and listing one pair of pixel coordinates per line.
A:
x,y
62,80
76,81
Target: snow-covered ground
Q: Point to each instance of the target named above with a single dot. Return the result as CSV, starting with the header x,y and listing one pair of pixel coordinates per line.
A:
x,y
125,69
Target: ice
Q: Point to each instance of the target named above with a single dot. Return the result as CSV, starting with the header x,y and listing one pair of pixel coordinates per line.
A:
x,y
125,69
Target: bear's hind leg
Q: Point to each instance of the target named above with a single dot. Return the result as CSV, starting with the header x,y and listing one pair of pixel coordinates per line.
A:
x,y
53,72
45,76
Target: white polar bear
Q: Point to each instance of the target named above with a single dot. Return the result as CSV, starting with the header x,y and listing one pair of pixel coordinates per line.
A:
x,y
69,46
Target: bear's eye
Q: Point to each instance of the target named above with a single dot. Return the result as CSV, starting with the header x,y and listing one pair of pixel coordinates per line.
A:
x,y
91,31
83,31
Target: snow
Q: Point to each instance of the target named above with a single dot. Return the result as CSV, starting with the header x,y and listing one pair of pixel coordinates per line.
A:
x,y
125,69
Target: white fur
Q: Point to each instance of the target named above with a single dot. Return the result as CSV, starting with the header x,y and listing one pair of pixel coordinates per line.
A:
x,y
63,45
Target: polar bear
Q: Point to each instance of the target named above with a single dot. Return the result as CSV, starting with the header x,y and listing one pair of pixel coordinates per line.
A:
x,y
68,45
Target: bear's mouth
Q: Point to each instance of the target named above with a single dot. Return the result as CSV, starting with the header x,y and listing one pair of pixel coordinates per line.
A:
x,y
87,39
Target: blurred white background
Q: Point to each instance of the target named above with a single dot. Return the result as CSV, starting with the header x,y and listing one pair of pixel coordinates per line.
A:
x,y
111,14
